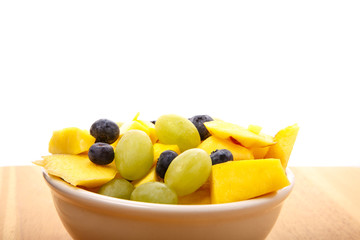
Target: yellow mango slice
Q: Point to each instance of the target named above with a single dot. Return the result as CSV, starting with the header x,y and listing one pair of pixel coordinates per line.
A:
x,y
259,153
254,128
285,140
145,126
160,147
240,180
77,170
70,140
212,143
150,177
245,137
200,196
151,128
133,125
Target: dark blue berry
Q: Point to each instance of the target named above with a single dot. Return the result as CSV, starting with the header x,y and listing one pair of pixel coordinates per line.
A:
x,y
221,156
101,153
198,121
164,161
104,130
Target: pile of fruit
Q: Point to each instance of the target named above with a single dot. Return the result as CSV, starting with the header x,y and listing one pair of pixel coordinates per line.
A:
x,y
172,160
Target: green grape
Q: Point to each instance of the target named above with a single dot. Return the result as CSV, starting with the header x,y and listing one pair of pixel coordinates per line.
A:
x,y
154,192
188,171
174,129
118,187
134,155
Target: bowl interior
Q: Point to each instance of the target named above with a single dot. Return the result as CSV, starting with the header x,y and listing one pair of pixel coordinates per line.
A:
x,y
87,197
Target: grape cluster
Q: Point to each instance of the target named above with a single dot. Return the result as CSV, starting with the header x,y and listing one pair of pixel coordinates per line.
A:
x,y
178,175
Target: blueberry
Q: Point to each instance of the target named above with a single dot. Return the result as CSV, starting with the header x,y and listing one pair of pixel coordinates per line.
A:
x,y
198,121
104,130
101,153
221,156
164,161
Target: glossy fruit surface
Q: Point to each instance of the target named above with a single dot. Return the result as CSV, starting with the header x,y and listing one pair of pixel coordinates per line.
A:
x,y
159,148
118,187
221,156
285,140
188,171
154,192
239,152
151,176
104,130
70,140
101,153
164,161
145,126
200,196
240,180
77,170
198,122
174,129
244,136
134,155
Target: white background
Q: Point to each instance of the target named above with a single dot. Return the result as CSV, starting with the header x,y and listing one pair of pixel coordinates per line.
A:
x,y
271,63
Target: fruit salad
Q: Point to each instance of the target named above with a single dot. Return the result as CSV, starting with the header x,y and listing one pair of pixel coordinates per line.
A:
x,y
173,160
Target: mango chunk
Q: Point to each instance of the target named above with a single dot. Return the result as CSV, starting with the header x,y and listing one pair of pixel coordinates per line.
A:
x,y
212,143
254,128
240,180
160,147
260,153
133,125
77,170
285,140
150,177
244,136
145,126
151,128
200,196
70,140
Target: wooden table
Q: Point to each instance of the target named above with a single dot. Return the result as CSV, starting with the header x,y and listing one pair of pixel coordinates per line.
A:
x,y
325,204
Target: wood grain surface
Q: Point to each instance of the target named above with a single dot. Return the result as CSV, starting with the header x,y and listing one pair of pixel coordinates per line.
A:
x,y
323,205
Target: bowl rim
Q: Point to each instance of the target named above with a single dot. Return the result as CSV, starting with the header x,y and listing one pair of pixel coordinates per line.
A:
x,y
68,191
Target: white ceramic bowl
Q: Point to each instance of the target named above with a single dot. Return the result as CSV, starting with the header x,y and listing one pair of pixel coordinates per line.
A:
x,y
87,215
